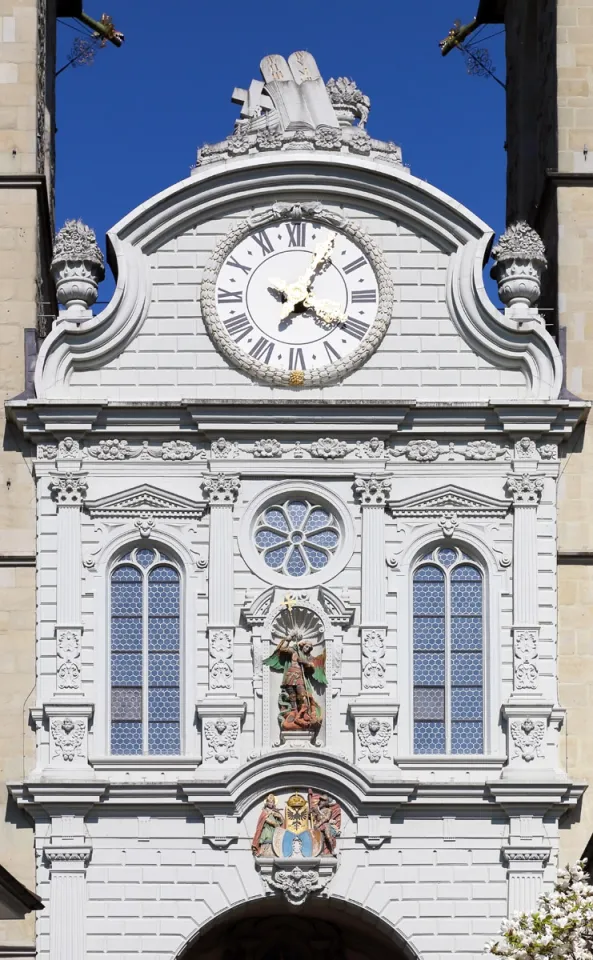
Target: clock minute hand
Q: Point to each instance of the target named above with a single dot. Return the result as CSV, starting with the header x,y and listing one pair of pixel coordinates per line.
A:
x,y
322,252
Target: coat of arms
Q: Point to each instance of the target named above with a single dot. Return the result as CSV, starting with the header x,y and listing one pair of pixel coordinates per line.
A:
x,y
307,827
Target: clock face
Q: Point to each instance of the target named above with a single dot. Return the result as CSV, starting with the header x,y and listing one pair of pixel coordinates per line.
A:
x,y
296,301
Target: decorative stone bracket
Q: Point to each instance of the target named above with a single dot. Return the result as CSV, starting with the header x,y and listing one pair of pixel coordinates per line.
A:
x,y
296,878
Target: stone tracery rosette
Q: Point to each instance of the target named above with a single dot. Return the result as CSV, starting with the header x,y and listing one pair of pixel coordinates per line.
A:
x,y
320,376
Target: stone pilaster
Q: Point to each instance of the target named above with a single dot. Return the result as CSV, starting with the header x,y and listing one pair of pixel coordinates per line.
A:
x,y
525,876
67,901
221,712
68,713
373,713
526,711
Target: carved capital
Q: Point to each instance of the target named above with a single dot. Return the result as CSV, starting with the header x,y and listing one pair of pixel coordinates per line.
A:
x,y
525,855
68,490
58,855
372,491
221,490
525,490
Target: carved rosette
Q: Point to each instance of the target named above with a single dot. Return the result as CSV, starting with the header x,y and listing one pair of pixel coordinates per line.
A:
x,y
221,490
520,260
372,491
68,490
77,266
373,655
525,490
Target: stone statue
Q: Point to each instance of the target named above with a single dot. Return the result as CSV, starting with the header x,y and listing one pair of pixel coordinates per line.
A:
x,y
298,708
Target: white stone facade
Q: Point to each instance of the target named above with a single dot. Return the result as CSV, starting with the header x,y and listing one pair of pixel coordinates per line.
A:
x,y
149,438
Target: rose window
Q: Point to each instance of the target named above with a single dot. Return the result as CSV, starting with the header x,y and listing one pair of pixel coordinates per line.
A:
x,y
297,537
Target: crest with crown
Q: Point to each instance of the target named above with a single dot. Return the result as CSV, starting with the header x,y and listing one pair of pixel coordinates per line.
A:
x,y
292,108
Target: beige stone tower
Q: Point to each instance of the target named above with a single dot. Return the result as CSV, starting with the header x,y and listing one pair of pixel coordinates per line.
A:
x,y
27,68
549,46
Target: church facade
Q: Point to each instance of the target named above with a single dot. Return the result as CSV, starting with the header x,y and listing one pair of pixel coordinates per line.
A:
x,y
296,500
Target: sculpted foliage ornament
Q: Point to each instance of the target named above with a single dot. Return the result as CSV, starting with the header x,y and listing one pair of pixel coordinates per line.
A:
x,y
68,737
68,650
560,927
221,737
329,448
267,448
528,736
481,450
374,736
526,672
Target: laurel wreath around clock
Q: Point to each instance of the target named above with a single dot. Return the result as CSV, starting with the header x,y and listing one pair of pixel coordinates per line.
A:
x,y
276,376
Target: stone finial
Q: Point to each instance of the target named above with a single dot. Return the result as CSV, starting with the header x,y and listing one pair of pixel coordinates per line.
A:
x,y
520,258
77,266
348,101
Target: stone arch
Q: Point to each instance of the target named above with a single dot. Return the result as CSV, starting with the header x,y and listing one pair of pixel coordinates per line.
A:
x,y
321,929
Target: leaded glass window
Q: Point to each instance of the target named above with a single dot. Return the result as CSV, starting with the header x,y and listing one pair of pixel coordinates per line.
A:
x,y
296,537
145,634
448,620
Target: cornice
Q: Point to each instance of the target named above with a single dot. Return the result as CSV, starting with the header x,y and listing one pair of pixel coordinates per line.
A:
x,y
40,419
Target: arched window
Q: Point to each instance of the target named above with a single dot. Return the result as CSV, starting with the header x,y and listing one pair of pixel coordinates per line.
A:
x,y
145,633
448,612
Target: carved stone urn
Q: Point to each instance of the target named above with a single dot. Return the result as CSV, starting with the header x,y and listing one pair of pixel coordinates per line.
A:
x,y
348,101
520,261
77,267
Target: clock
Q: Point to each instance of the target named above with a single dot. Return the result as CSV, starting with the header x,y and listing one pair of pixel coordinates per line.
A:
x,y
297,296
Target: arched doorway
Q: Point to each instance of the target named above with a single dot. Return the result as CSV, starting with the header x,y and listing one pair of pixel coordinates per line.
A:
x,y
320,930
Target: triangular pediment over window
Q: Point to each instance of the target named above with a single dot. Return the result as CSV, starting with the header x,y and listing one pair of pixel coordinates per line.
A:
x,y
434,503
146,498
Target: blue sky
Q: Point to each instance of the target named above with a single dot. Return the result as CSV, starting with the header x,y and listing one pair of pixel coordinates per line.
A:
x,y
129,125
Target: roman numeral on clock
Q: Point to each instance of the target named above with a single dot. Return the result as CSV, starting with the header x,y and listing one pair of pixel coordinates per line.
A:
x,y
356,328
355,265
233,262
332,353
263,241
230,296
262,350
364,296
238,327
296,359
297,234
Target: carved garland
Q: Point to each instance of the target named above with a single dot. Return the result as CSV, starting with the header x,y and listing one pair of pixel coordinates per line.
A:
x,y
322,376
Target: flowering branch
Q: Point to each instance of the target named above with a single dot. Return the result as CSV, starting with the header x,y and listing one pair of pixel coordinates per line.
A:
x,y
561,927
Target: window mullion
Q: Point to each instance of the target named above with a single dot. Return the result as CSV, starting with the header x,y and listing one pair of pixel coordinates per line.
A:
x,y
145,662
447,661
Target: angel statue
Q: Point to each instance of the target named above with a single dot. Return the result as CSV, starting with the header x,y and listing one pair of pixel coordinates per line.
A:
x,y
293,657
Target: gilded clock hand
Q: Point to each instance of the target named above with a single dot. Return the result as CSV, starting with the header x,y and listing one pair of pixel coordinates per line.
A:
x,y
296,293
328,311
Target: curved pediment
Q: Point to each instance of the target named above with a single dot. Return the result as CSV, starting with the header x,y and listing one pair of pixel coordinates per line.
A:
x,y
442,337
